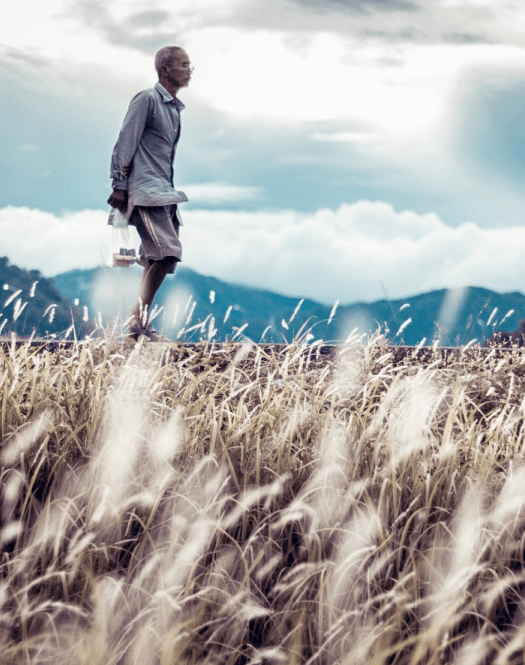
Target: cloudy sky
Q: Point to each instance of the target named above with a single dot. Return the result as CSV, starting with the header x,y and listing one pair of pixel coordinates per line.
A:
x,y
335,149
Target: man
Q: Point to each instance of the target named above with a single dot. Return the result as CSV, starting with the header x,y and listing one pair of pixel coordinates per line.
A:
x,y
142,173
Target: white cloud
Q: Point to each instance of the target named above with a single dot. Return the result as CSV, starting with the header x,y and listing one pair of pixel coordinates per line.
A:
x,y
353,253
395,85
34,239
219,192
350,254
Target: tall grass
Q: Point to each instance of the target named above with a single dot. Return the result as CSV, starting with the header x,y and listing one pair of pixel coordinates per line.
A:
x,y
240,504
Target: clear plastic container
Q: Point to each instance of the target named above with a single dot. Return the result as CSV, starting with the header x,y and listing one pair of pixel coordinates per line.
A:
x,y
122,251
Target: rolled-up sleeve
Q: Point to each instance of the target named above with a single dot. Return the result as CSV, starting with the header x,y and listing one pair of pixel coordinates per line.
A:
x,y
129,138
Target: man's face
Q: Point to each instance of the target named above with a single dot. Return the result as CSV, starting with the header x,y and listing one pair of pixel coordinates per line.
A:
x,y
178,73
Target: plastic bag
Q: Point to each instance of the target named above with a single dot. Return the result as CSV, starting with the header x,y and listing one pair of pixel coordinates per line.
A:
x,y
122,252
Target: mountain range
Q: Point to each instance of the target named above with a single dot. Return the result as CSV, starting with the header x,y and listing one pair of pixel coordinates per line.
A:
x,y
30,302
193,306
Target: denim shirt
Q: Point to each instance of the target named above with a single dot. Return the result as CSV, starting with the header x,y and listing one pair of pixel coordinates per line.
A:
x,y
148,140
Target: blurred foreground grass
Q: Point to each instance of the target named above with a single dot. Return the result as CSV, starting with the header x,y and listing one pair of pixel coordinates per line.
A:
x,y
234,504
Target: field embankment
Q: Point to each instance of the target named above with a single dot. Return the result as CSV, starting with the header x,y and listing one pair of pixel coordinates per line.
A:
x,y
234,504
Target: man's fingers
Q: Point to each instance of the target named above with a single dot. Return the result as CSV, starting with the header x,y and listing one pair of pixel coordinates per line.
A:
x,y
119,199
114,202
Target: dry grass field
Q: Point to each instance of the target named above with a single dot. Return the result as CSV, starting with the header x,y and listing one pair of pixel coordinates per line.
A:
x,y
236,504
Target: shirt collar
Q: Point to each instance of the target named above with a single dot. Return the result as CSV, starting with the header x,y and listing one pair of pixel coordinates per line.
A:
x,y
166,97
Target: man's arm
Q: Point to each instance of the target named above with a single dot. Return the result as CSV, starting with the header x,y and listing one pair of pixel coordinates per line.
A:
x,y
125,148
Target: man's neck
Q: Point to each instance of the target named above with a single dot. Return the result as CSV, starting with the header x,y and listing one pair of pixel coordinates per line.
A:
x,y
173,90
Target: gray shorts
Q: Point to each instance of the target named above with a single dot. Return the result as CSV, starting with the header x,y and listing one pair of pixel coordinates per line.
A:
x,y
158,228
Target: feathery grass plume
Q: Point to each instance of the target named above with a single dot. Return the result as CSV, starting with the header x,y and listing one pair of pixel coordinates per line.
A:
x,y
296,310
492,315
228,312
509,313
333,311
12,297
403,326
14,446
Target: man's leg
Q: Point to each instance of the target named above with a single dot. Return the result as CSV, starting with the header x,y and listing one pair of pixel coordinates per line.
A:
x,y
158,228
152,278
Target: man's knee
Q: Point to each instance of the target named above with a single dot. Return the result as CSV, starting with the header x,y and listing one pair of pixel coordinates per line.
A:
x,y
167,262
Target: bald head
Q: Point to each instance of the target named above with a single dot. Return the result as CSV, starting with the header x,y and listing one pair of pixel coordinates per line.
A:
x,y
165,56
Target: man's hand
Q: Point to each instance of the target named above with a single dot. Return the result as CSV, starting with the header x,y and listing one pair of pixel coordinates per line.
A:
x,y
119,199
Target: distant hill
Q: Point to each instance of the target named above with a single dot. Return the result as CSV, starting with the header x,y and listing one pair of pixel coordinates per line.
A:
x,y
30,302
201,304
110,292
453,316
